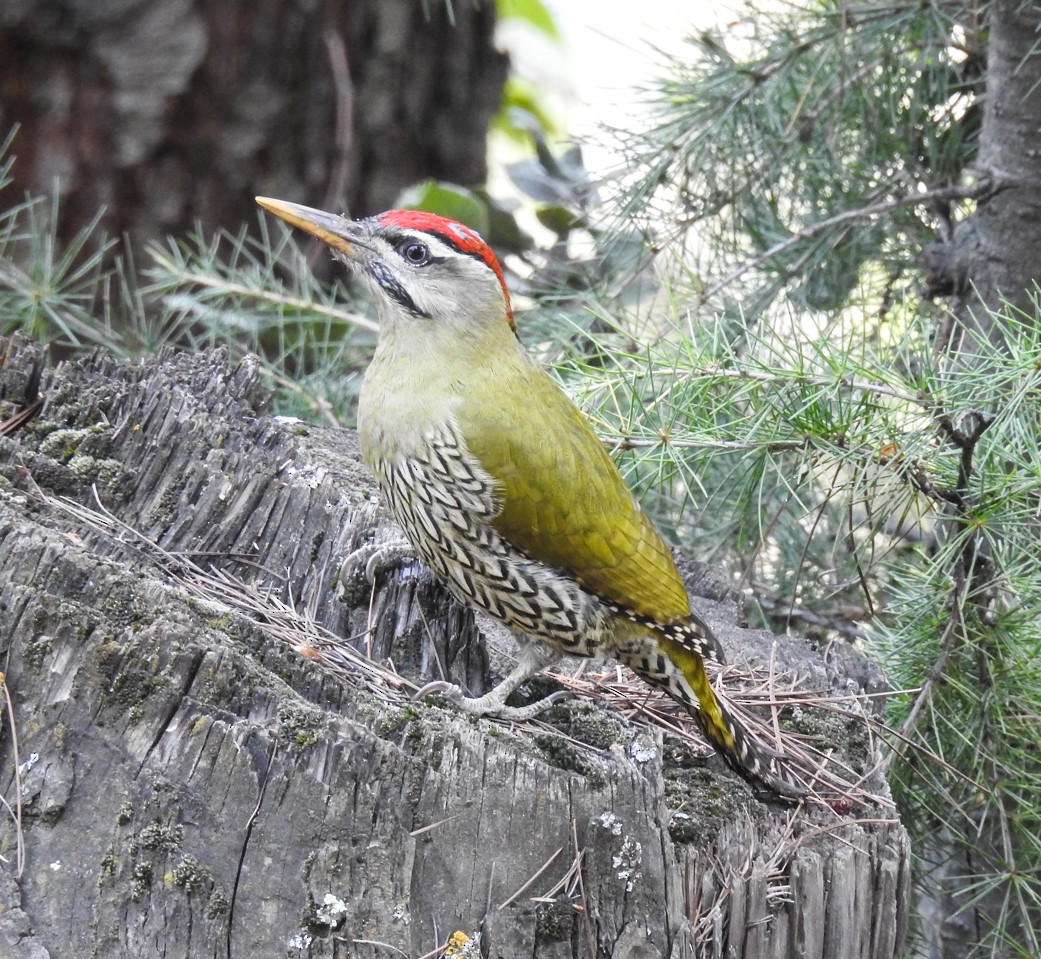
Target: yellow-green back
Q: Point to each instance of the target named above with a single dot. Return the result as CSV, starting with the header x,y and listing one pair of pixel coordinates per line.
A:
x,y
564,501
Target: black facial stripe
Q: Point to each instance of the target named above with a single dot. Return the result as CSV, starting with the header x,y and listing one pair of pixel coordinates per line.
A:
x,y
379,272
444,238
432,258
450,241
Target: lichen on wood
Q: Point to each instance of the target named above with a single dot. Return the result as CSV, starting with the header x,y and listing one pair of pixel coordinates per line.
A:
x,y
228,761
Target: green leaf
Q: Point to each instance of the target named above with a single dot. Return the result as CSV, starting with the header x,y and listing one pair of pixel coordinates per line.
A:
x,y
532,178
447,199
521,115
533,12
559,219
504,233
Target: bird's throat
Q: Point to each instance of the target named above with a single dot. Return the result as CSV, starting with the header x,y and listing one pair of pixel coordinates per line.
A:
x,y
414,386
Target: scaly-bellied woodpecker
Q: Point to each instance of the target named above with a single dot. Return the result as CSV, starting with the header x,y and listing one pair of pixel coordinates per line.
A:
x,y
500,484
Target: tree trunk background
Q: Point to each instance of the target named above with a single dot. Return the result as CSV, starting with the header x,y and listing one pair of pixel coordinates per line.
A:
x,y
173,113
195,781
992,260
1008,225
993,256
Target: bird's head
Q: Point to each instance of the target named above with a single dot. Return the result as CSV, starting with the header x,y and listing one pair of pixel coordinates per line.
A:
x,y
420,268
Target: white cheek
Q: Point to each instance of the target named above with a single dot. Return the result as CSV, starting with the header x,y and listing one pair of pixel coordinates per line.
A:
x,y
436,297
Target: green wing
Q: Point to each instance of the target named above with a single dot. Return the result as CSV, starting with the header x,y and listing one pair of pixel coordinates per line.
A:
x,y
565,503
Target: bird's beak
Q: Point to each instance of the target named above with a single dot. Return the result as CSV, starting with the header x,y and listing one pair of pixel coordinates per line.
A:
x,y
330,228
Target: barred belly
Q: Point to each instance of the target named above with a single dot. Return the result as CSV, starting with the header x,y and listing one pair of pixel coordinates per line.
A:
x,y
445,502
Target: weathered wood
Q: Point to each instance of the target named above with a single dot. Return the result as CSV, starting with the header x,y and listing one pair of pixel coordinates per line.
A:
x,y
192,786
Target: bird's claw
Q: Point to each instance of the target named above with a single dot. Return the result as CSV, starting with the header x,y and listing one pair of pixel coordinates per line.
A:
x,y
375,558
438,687
490,704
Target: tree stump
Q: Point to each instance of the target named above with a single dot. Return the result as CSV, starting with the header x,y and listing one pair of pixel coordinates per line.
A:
x,y
214,757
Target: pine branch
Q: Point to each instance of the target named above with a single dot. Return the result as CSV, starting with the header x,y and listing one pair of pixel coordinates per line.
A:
x,y
840,219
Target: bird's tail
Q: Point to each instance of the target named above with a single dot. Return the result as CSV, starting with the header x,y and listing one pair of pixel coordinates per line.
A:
x,y
673,665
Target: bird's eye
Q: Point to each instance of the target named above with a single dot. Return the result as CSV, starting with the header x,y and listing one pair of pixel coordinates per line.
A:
x,y
414,252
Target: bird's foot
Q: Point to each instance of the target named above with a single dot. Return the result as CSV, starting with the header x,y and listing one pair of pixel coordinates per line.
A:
x,y
491,704
375,558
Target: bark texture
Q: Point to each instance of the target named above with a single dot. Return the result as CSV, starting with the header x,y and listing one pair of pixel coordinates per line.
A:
x,y
1001,241
172,113
192,784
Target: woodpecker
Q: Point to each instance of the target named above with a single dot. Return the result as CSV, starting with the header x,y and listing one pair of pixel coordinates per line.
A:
x,y
501,485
